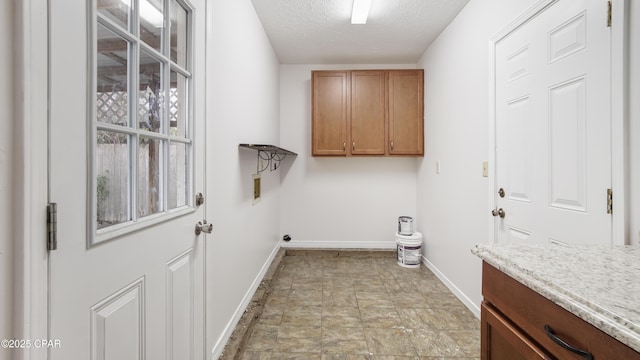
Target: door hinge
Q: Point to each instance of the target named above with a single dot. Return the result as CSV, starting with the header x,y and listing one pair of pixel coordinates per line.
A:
x,y
52,226
609,201
609,13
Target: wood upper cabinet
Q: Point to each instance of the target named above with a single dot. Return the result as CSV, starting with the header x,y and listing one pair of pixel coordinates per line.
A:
x,y
367,112
330,110
406,109
368,130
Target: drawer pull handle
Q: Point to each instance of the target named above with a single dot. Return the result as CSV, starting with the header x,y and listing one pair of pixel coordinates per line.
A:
x,y
552,335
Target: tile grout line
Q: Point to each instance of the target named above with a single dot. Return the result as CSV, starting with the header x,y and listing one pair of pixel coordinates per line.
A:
x,y
394,284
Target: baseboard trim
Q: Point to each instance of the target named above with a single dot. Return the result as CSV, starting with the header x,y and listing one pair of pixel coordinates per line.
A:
x,y
475,309
218,348
301,244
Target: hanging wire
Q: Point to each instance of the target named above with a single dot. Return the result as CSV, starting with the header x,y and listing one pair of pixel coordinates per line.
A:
x,y
267,158
271,158
269,153
277,158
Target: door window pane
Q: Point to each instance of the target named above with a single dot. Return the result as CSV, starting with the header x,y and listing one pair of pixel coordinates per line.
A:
x,y
117,11
178,187
149,176
151,97
112,59
177,105
113,178
142,79
178,26
152,22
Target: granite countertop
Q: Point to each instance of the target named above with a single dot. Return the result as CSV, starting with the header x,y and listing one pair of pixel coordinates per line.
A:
x,y
600,285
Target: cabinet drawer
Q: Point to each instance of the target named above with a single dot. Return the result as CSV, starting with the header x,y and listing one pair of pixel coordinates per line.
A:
x,y
531,312
503,340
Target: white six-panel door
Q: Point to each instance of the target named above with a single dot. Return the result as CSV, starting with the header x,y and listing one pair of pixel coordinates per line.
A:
x,y
134,291
553,126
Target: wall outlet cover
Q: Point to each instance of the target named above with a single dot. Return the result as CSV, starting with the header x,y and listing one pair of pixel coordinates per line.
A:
x,y
256,188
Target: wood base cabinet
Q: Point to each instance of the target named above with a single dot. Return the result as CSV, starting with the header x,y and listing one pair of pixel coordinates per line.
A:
x,y
367,112
518,323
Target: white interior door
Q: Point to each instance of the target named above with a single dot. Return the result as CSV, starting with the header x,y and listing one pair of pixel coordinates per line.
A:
x,y
553,126
126,160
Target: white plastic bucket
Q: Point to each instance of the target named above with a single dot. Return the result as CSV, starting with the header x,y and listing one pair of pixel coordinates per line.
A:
x,y
409,250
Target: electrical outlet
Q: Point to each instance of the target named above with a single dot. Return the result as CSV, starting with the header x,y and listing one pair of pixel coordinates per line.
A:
x,y
485,169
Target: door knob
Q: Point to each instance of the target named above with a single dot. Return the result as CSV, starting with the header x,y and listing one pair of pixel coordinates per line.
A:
x,y
498,212
203,226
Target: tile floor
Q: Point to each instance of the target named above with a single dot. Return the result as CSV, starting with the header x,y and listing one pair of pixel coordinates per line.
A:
x,y
360,307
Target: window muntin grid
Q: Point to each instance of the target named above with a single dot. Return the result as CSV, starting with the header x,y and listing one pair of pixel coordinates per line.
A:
x,y
141,115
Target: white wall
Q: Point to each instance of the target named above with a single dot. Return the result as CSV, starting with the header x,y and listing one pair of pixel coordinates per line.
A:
x,y
242,107
453,206
337,202
6,164
634,121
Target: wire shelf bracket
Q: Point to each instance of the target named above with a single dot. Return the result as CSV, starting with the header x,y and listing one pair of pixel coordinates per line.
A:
x,y
272,154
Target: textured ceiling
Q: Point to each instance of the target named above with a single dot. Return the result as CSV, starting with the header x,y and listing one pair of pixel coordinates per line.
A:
x,y
320,31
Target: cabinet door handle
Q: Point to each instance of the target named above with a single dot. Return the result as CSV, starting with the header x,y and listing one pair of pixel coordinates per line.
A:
x,y
344,146
391,144
552,335
353,146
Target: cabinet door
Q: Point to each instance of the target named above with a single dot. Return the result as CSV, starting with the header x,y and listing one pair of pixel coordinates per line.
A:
x,y
502,340
368,112
406,121
329,108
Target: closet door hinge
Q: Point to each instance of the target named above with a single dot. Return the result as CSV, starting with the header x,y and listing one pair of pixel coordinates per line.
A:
x,y
52,226
609,201
609,13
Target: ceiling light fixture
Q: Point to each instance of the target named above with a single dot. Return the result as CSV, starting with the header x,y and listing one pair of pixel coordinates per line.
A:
x,y
360,11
